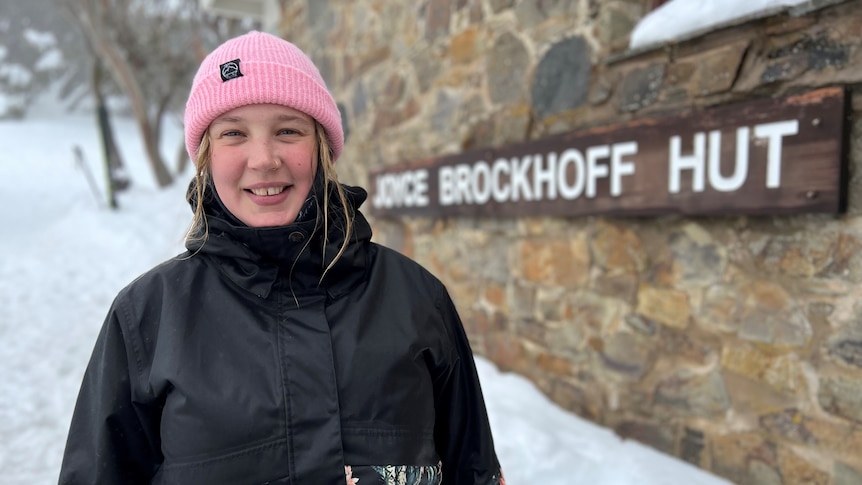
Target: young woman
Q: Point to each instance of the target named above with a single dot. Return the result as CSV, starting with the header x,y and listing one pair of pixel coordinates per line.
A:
x,y
283,346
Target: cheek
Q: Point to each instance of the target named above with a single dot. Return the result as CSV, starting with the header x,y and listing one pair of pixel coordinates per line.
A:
x,y
305,163
308,168
223,171
310,171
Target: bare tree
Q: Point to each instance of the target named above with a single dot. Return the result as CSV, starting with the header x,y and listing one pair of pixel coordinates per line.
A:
x,y
35,44
117,178
147,46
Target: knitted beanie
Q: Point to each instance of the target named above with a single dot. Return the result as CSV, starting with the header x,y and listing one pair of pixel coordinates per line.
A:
x,y
259,68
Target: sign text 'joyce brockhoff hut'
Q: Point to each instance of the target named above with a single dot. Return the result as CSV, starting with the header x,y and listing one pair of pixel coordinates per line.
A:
x,y
771,156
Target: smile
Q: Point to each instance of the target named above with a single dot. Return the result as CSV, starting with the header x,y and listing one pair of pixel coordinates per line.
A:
x,y
267,191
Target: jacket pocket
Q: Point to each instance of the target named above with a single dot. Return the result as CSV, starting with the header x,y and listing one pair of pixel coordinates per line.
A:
x,y
279,481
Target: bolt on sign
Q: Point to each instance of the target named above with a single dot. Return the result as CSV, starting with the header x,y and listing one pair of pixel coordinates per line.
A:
x,y
770,156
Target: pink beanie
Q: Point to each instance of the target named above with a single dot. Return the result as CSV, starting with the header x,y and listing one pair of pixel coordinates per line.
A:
x,y
259,68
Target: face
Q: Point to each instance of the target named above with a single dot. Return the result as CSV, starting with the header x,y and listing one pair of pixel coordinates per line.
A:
x,y
264,158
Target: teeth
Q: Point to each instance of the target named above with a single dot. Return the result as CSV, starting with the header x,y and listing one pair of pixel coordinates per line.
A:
x,y
267,191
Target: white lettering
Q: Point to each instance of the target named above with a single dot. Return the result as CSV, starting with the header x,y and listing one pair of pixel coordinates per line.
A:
x,y
402,189
619,167
379,196
594,170
694,162
570,192
420,181
500,192
463,194
545,176
482,185
774,132
445,176
520,183
740,170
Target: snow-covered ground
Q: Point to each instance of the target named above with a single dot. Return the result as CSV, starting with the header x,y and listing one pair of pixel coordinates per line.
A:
x,y
63,257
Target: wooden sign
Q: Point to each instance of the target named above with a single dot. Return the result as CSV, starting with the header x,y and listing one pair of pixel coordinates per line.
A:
x,y
770,156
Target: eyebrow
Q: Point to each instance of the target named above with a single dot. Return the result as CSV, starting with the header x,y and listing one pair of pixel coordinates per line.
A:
x,y
280,118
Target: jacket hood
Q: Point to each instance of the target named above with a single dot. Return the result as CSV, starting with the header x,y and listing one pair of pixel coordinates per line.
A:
x,y
255,257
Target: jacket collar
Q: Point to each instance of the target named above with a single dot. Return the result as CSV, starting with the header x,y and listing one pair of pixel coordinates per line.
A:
x,y
298,253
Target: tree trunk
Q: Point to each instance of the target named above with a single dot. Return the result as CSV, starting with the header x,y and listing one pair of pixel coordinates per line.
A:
x,y
104,130
182,159
150,136
157,162
118,179
89,17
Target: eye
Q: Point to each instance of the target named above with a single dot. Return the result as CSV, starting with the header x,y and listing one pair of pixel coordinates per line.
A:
x,y
288,131
231,133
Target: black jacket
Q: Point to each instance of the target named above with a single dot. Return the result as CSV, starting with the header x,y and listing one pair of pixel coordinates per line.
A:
x,y
234,364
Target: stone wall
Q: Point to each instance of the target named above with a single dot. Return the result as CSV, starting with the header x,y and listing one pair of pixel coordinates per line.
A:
x,y
734,343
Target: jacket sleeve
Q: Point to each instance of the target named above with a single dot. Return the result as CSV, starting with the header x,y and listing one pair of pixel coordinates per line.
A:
x,y
111,438
462,431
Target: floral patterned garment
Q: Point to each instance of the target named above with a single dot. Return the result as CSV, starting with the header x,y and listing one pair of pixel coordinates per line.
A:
x,y
400,475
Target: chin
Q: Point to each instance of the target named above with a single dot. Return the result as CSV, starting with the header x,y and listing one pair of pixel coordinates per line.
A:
x,y
270,221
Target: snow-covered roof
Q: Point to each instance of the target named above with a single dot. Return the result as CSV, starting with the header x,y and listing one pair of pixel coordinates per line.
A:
x,y
678,20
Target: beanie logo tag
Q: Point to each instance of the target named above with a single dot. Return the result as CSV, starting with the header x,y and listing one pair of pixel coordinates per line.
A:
x,y
230,70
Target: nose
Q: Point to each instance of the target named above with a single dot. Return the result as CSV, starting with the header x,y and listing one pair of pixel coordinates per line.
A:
x,y
262,155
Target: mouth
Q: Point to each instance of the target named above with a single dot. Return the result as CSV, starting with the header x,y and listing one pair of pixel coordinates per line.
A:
x,y
267,191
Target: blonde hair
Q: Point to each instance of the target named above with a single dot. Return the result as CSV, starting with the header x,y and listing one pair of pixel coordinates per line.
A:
x,y
199,229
